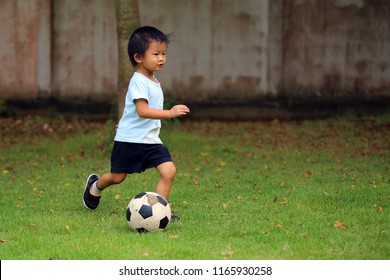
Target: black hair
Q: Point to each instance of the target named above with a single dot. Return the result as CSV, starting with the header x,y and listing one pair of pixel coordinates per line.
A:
x,y
141,38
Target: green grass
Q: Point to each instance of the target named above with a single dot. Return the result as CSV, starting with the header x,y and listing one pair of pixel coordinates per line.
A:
x,y
244,190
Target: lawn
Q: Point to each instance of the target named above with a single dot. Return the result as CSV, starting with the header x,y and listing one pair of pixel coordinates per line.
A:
x,y
281,189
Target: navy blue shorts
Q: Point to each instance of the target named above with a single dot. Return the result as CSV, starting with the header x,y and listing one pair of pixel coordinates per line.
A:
x,y
136,158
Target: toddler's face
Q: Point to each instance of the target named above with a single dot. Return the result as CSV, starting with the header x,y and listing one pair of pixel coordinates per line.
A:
x,y
154,58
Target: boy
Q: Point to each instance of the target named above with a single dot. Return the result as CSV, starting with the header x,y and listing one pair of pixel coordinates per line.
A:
x,y
137,145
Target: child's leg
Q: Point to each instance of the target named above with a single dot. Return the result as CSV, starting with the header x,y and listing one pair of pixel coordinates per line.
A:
x,y
109,179
95,185
167,172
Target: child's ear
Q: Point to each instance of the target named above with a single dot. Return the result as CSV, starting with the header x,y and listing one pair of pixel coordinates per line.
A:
x,y
137,58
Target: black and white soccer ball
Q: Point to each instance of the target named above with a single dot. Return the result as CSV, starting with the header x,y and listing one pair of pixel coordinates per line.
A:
x,y
148,211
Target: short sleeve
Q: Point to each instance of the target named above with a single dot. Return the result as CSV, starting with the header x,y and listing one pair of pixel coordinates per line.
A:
x,y
139,90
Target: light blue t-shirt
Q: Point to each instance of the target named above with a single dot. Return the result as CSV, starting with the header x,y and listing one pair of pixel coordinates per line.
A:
x,y
132,128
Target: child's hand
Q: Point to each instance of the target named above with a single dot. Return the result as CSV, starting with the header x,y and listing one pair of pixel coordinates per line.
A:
x,y
179,110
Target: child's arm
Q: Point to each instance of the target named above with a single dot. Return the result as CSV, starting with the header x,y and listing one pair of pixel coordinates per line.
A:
x,y
144,111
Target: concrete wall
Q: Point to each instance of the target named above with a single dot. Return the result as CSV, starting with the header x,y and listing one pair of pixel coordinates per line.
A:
x,y
250,50
85,50
223,51
58,49
24,48
337,49
219,48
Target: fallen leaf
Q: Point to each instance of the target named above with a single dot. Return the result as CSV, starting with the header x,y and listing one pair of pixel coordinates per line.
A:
x,y
379,209
307,173
224,206
227,254
67,228
222,163
338,224
117,196
145,254
185,203
173,236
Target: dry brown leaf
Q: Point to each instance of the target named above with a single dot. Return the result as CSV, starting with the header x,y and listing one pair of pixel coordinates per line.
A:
x,y
338,224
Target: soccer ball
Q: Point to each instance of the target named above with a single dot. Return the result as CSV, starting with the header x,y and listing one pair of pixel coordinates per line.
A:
x,y
148,211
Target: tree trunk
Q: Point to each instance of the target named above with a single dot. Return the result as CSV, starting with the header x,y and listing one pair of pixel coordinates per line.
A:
x,y
128,20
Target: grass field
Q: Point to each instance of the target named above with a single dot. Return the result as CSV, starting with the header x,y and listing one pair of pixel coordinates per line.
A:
x,y
313,189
